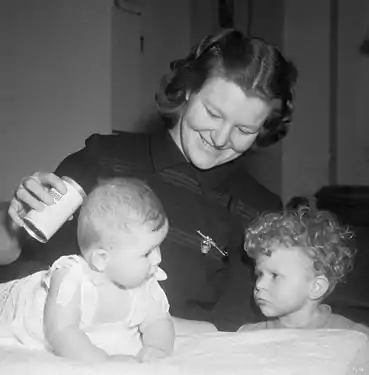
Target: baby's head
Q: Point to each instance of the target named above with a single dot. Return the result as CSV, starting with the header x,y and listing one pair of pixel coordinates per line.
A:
x,y
120,228
300,256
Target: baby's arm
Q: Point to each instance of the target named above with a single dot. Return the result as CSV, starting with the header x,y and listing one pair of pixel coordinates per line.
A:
x,y
62,324
157,339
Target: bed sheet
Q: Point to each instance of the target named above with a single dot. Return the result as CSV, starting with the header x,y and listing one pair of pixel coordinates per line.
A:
x,y
328,352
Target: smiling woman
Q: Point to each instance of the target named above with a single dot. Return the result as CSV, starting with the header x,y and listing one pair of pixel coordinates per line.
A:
x,y
226,70
229,93
219,123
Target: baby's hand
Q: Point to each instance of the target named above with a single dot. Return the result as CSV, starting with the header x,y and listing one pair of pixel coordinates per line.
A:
x,y
150,353
122,358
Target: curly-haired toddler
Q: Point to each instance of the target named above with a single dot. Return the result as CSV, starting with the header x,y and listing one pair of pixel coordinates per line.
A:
x,y
300,256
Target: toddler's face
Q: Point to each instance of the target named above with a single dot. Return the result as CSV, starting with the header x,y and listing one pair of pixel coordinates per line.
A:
x,y
137,257
283,281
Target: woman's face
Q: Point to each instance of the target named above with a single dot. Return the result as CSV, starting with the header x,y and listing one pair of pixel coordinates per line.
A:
x,y
219,123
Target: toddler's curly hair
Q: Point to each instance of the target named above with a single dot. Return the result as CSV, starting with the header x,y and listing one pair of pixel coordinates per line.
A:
x,y
318,233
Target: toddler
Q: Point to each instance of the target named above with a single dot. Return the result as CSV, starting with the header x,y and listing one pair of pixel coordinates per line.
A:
x,y
300,256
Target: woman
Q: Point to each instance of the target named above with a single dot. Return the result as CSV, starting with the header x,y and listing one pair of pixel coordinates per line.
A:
x,y
229,93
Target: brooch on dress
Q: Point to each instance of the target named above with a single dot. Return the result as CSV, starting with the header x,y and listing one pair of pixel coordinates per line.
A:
x,y
207,243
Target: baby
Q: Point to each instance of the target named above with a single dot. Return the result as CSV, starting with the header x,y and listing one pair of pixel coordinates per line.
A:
x,y
105,304
300,256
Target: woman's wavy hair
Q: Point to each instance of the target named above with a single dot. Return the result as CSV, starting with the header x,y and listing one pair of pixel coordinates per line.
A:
x,y
324,240
258,68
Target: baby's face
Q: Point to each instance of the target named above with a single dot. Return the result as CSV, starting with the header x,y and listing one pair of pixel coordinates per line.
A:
x,y
284,280
136,256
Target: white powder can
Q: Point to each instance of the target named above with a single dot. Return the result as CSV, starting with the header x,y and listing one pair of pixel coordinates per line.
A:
x,y
42,225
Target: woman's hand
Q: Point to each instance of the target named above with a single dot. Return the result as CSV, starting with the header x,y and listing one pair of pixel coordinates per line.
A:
x,y
33,193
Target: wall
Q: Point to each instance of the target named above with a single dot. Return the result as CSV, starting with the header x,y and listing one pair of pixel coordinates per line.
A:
x,y
126,68
305,160
353,98
166,30
204,17
58,87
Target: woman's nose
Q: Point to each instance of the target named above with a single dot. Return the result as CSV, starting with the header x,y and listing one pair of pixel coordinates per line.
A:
x,y
220,136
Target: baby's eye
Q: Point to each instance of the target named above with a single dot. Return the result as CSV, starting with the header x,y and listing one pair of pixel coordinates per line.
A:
x,y
275,275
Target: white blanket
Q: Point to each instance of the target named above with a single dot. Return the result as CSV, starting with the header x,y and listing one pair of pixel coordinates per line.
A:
x,y
328,352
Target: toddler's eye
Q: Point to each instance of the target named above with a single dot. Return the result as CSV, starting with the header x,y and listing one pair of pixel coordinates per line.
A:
x,y
275,275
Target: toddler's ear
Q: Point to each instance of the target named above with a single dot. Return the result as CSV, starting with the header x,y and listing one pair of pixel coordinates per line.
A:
x,y
99,259
319,287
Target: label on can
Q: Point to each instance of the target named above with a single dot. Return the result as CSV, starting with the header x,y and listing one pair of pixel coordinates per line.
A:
x,y
42,225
